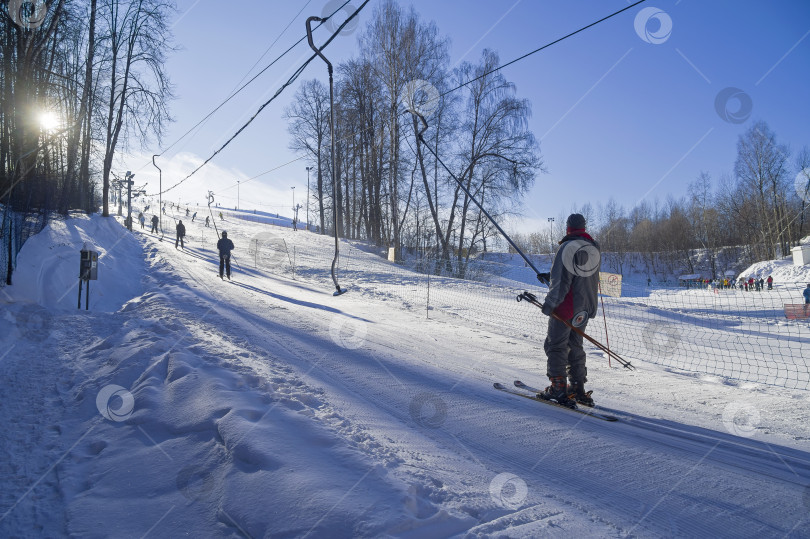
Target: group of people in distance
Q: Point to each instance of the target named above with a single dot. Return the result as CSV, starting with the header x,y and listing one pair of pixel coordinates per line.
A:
x,y
755,284
224,246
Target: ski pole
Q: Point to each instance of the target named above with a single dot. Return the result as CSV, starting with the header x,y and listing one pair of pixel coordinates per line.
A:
x,y
531,298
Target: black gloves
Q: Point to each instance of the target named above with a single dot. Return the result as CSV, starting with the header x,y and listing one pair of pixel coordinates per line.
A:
x,y
544,278
547,309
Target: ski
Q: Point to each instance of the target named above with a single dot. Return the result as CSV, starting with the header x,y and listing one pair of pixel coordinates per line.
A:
x,y
534,390
534,397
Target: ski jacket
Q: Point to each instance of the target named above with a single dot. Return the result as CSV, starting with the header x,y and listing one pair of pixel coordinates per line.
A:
x,y
181,229
225,246
575,276
806,294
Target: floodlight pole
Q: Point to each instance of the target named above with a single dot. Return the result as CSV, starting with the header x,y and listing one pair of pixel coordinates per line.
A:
x,y
128,176
160,193
308,168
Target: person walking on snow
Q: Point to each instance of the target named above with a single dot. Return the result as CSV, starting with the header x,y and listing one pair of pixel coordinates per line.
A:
x,y
770,282
155,224
207,221
806,295
225,246
141,219
181,232
573,284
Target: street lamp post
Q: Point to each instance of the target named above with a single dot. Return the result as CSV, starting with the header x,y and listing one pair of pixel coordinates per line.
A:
x,y
160,192
118,184
128,177
551,232
293,207
308,169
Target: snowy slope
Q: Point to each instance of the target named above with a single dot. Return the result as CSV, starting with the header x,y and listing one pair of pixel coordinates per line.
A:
x,y
182,404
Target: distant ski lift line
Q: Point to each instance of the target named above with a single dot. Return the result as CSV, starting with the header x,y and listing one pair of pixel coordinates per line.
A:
x,y
268,66
476,78
278,92
298,72
239,90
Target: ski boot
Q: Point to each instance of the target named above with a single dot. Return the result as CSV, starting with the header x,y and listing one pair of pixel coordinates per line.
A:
x,y
577,393
557,392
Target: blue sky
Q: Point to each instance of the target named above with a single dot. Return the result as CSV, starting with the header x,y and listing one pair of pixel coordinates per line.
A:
x,y
619,113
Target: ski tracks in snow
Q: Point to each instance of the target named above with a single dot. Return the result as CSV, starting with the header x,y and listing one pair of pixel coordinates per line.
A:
x,y
419,406
266,406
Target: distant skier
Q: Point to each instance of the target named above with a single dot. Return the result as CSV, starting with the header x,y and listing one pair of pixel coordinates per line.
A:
x,y
573,284
761,284
164,210
186,212
141,219
181,233
225,246
221,218
154,224
770,282
806,295
193,216
207,222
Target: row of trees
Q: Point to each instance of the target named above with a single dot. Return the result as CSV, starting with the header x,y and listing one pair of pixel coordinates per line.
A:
x,y
389,187
80,81
757,212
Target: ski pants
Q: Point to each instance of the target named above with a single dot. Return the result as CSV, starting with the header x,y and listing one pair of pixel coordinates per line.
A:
x,y
225,262
564,350
179,241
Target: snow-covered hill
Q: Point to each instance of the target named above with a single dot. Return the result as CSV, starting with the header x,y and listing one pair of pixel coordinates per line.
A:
x,y
180,404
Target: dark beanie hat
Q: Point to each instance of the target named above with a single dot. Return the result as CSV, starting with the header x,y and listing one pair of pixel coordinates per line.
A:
x,y
576,221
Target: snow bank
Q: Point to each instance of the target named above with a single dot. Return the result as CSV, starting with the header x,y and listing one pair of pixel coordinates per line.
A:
x,y
267,407
783,272
48,265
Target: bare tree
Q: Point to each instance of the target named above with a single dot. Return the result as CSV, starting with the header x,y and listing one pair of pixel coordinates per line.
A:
x,y
135,39
79,123
499,153
705,219
400,49
614,235
803,186
308,115
761,170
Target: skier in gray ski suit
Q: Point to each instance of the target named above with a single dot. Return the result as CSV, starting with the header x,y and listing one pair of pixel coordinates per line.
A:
x,y
573,287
